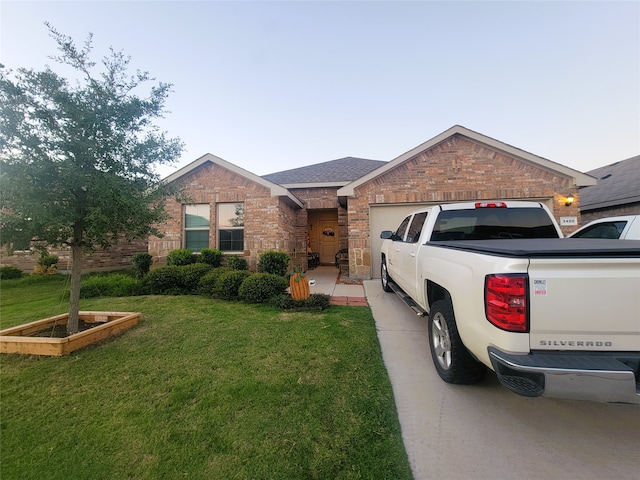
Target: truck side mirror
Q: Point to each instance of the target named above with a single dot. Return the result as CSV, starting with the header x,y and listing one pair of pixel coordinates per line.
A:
x,y
386,234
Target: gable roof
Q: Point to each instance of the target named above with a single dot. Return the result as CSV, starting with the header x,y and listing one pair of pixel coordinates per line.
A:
x,y
332,173
276,190
579,178
618,184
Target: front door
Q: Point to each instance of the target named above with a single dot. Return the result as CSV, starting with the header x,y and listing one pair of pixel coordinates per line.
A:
x,y
328,240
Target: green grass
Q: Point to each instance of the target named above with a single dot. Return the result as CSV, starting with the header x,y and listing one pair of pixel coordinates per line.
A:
x,y
200,389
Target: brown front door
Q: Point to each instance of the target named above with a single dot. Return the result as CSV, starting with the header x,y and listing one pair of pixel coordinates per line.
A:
x,y
328,240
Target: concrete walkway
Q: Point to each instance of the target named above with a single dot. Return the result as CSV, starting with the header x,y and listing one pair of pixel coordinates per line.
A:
x,y
325,279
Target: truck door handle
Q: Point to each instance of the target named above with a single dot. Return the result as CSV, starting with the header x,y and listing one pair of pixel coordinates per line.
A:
x,y
413,254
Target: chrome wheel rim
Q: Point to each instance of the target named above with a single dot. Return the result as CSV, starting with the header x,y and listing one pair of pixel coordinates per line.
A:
x,y
441,340
385,279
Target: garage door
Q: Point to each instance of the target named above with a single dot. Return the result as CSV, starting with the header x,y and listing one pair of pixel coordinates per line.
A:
x,y
386,217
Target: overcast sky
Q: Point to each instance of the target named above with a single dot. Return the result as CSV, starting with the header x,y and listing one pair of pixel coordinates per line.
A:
x,y
270,86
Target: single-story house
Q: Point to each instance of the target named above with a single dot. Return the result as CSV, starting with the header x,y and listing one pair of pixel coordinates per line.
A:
x,y
616,193
346,203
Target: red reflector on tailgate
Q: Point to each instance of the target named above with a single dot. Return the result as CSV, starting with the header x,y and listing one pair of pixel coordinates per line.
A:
x,y
506,301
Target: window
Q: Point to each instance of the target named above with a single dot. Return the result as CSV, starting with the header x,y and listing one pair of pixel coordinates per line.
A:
x,y
399,233
231,227
196,226
603,230
413,234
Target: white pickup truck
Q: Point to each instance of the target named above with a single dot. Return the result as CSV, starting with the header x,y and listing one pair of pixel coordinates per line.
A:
x,y
551,316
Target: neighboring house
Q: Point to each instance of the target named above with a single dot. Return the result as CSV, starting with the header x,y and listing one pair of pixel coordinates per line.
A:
x,y
616,193
345,203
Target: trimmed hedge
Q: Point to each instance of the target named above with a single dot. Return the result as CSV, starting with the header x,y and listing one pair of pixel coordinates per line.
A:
x,y
180,257
210,256
275,262
190,276
114,285
237,263
229,283
10,273
142,263
260,287
208,284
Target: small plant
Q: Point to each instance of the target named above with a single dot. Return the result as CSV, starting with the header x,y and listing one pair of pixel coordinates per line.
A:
x,y
142,263
229,283
47,264
237,263
9,273
211,256
274,262
260,287
180,257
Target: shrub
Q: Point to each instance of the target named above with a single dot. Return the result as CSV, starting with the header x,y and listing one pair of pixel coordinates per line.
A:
x,y
260,287
115,285
208,284
210,256
142,263
46,260
181,256
317,301
274,262
190,276
229,283
46,264
164,281
9,273
237,263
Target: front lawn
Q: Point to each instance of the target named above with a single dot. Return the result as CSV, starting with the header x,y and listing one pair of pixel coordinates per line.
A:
x,y
200,389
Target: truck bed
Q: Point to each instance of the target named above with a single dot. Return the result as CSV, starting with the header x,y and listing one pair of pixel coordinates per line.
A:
x,y
547,247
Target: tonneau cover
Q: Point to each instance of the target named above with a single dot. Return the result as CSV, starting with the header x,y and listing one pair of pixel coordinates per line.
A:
x,y
547,247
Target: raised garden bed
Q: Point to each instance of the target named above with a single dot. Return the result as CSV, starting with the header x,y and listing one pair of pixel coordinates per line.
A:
x,y
48,336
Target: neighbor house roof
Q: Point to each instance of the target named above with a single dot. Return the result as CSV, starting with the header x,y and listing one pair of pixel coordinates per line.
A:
x,y
276,190
579,178
618,184
335,173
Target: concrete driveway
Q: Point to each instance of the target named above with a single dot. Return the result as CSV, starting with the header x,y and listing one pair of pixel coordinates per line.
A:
x,y
487,432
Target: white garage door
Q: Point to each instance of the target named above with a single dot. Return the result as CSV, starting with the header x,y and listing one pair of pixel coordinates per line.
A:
x,y
386,217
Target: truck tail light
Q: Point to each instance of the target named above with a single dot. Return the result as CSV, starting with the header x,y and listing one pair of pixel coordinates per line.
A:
x,y
506,301
491,205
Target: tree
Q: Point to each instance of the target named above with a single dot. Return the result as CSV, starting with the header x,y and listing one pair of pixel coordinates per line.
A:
x,y
77,158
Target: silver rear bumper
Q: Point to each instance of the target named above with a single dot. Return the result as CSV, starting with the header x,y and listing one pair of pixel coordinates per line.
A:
x,y
598,376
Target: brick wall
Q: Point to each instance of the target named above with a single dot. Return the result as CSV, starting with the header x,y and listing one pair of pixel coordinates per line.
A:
x,y
117,257
458,169
270,222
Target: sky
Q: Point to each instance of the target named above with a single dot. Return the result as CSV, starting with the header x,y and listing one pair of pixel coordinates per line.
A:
x,y
274,85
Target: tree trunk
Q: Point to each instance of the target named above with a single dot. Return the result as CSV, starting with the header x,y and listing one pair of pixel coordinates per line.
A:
x,y
74,298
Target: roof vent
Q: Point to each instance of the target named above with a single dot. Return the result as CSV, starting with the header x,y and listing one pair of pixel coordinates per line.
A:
x,y
606,176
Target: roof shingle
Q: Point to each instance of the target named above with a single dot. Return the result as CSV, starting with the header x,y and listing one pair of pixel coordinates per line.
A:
x,y
342,170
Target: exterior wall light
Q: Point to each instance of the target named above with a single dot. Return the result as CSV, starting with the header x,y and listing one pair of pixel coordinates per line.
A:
x,y
569,200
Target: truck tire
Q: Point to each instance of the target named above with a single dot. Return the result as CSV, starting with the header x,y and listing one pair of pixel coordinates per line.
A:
x,y
384,276
451,358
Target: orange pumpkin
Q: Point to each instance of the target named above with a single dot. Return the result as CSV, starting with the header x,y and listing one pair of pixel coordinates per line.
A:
x,y
299,286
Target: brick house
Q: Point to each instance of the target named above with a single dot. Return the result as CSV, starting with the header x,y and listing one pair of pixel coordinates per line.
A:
x,y
345,203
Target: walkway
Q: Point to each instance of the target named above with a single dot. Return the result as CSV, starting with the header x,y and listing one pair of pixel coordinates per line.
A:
x,y
326,279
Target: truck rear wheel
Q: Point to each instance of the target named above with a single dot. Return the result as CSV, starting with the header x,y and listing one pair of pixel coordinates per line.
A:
x,y
451,358
384,276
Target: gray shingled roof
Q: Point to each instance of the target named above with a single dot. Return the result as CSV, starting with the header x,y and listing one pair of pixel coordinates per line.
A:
x,y
618,184
343,170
